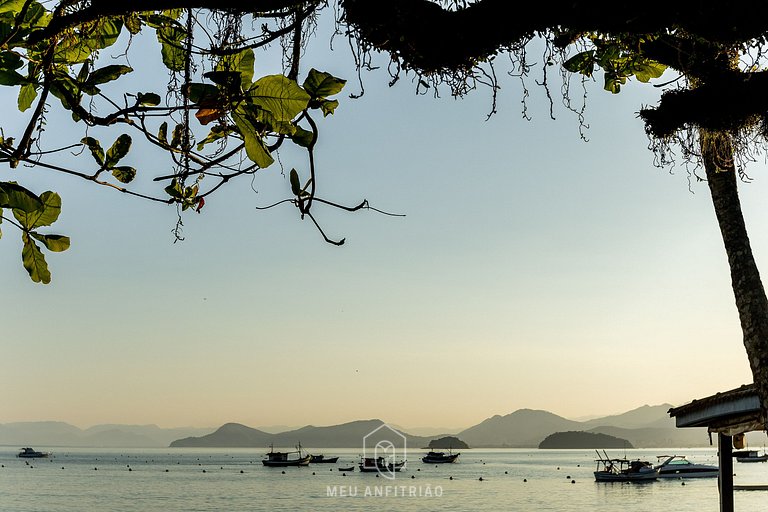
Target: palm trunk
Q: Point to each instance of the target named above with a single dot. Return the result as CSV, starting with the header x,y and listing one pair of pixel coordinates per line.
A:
x,y
751,302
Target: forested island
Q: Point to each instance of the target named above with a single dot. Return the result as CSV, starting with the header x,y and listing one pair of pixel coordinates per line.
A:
x,y
582,440
448,443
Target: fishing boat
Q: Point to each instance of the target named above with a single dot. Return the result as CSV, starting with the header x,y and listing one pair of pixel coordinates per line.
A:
x,y
281,459
624,470
370,464
322,459
677,466
750,456
440,457
30,453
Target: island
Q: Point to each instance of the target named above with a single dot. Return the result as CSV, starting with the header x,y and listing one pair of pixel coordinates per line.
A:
x,y
448,443
582,440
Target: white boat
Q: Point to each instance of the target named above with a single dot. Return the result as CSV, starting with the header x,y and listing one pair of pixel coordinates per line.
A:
x,y
750,456
624,470
677,466
30,453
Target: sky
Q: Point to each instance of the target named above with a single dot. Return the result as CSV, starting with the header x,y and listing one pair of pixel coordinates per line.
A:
x,y
532,269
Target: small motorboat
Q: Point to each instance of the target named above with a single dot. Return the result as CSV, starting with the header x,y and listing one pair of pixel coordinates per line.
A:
x,y
30,453
370,464
322,459
750,456
677,466
440,457
350,468
624,470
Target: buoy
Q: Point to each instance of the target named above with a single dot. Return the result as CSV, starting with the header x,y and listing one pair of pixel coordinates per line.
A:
x,y
283,472
481,479
568,477
241,472
450,478
166,470
343,474
525,479
313,473
573,481
413,476
203,471
130,469
506,473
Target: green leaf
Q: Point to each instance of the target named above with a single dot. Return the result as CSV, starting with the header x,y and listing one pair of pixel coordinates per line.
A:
x,y
43,216
178,132
302,137
124,174
216,133
162,133
107,74
230,80
54,243
96,150
13,195
279,95
149,99
241,63
34,261
10,77
647,70
118,150
583,63
27,96
10,60
199,93
320,84
172,40
328,106
12,6
174,189
254,145
133,23
295,183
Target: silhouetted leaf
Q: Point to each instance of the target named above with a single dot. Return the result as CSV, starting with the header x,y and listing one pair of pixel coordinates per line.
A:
x,y
96,149
27,96
118,150
295,184
124,174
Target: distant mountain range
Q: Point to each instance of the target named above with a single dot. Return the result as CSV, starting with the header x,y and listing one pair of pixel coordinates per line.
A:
x,y
56,433
644,427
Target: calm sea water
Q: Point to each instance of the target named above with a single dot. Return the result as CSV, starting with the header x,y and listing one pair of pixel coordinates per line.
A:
x,y
110,480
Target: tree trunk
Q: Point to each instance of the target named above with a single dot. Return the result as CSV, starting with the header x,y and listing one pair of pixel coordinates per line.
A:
x,y
751,302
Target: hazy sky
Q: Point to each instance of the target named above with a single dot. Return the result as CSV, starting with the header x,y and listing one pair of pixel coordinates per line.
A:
x,y
532,270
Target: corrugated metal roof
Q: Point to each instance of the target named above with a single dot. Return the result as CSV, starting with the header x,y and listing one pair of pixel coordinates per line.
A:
x,y
729,411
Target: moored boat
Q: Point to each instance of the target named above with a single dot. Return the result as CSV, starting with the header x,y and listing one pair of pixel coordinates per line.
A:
x,y
30,453
281,459
624,470
677,466
750,456
371,464
322,459
440,457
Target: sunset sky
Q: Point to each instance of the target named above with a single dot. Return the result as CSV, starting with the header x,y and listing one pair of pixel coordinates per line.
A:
x,y
531,270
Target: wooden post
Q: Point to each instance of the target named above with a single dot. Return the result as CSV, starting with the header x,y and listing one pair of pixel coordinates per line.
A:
x,y
725,478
